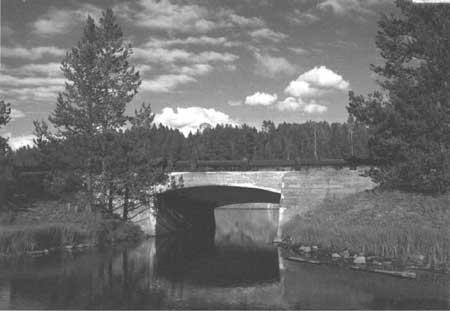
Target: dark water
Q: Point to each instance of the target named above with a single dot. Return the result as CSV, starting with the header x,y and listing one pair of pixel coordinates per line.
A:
x,y
242,270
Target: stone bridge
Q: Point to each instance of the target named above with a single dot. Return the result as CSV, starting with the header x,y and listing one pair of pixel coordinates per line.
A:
x,y
292,192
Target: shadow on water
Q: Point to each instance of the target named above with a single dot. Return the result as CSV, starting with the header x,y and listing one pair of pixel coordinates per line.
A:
x,y
239,270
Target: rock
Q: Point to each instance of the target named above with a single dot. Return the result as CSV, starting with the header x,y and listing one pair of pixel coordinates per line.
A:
x,y
359,260
335,256
305,249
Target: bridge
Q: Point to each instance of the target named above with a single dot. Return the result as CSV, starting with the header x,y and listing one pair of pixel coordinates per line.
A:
x,y
291,192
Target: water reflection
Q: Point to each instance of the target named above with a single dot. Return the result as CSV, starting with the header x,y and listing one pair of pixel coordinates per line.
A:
x,y
239,271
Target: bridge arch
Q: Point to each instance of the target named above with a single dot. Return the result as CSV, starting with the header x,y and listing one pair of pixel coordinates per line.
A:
x,y
193,207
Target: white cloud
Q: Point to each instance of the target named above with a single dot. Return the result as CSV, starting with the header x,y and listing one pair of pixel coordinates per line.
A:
x,y
49,70
290,104
299,17
169,56
325,78
38,81
235,102
313,108
259,98
268,34
268,65
190,119
183,17
201,40
166,83
16,114
345,7
32,53
38,93
19,141
297,104
57,21
315,82
299,88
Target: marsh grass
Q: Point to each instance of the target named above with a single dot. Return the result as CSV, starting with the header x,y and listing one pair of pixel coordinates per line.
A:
x,y
51,224
389,224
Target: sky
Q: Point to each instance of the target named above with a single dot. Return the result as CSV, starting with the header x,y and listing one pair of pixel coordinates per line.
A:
x,y
201,61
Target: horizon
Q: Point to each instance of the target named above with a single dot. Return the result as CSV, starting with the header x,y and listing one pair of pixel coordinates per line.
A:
x,y
220,62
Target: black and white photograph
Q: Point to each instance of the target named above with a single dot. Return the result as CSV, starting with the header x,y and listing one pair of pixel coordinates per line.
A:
x,y
225,155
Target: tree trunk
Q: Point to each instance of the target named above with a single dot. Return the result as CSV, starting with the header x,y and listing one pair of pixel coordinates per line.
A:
x,y
125,203
110,199
315,142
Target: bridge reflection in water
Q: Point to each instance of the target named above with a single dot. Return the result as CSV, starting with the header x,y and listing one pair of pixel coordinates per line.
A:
x,y
241,270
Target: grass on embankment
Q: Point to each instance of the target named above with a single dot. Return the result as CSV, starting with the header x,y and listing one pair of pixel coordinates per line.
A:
x,y
388,224
52,224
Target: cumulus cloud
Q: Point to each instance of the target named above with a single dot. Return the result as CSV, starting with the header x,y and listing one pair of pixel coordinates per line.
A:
x,y
8,80
262,99
268,65
315,82
188,120
290,104
19,141
268,34
297,104
32,53
314,108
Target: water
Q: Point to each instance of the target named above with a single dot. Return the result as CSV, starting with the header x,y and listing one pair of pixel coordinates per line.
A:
x,y
242,270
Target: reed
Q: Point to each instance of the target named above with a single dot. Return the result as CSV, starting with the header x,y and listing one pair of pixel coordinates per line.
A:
x,y
388,224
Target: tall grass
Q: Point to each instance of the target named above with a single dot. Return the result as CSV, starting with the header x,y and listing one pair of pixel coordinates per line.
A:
x,y
387,224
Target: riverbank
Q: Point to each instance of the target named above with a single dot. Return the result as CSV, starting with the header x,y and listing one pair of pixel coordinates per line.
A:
x,y
50,225
409,229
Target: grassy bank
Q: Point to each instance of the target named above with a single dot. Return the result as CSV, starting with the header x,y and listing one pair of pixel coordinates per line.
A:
x,y
57,224
390,224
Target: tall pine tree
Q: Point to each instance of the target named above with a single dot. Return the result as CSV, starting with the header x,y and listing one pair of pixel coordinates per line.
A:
x,y
409,119
101,82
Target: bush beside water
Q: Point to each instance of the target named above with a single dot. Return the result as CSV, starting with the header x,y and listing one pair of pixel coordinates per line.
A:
x,y
49,225
389,224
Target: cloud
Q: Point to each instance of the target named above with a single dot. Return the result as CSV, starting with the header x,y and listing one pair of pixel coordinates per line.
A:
x,y
235,102
37,93
183,17
268,65
297,104
316,82
32,53
58,21
166,83
299,50
290,104
268,34
302,18
19,141
168,56
188,120
313,108
16,114
201,40
48,70
346,7
299,88
262,99
7,80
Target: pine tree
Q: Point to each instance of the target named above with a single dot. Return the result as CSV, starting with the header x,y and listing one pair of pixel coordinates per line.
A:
x,y
409,119
100,84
